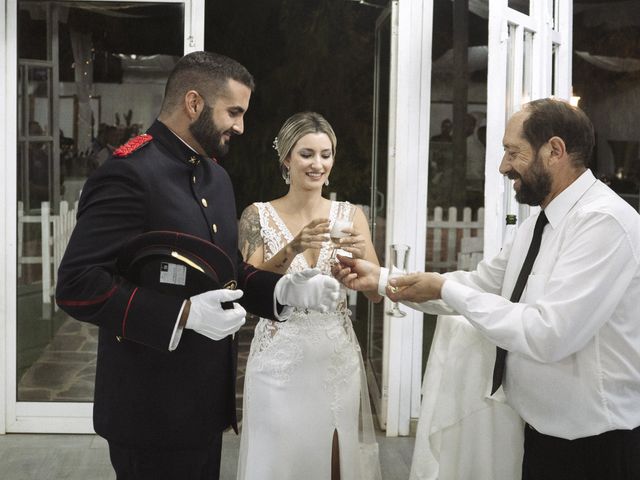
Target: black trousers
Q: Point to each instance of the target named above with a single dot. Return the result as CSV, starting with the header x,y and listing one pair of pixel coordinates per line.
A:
x,y
138,464
613,455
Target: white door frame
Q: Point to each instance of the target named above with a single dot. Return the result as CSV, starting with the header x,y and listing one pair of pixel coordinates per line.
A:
x,y
39,417
520,69
378,386
407,203
8,196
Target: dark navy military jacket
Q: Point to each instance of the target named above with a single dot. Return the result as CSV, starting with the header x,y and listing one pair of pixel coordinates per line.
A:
x,y
146,396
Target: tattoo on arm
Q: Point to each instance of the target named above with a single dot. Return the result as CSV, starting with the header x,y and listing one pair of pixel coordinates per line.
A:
x,y
284,262
249,231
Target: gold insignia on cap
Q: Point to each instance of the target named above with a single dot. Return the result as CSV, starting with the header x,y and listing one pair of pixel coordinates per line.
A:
x,y
187,261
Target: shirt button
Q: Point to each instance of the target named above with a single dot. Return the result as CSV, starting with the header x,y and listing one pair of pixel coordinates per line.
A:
x,y
214,227
194,179
204,203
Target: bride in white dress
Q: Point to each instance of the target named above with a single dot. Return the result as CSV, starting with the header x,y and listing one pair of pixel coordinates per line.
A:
x,y
306,412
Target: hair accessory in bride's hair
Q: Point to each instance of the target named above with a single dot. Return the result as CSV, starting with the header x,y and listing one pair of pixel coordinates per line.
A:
x,y
275,145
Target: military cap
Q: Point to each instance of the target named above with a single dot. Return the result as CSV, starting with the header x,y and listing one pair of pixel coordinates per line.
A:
x,y
176,264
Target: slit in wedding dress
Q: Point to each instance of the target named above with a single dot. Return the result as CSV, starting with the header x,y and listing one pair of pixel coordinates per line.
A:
x,y
335,456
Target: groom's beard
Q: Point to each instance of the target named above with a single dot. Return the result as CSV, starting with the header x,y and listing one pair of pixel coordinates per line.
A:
x,y
207,134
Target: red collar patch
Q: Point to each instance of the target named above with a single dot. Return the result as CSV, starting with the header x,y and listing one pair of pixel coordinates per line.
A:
x,y
132,145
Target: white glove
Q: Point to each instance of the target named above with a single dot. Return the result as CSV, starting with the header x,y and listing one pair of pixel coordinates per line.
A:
x,y
308,289
208,318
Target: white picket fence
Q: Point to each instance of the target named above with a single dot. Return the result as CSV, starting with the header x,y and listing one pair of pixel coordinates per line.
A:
x,y
55,233
454,244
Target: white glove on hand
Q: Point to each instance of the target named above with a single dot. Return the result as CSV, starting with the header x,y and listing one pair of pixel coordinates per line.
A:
x,y
208,318
308,289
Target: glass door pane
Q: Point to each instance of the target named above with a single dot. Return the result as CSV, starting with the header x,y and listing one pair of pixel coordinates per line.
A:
x,y
90,76
521,6
455,200
606,85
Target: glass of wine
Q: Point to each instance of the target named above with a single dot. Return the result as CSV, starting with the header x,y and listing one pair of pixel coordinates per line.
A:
x,y
344,219
399,260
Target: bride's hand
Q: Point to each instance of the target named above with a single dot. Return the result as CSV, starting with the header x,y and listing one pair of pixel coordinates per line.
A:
x,y
354,243
312,235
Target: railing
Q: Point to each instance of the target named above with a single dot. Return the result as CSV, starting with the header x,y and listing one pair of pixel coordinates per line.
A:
x,y
453,244
55,233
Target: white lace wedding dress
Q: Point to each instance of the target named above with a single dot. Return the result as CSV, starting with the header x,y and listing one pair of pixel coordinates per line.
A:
x,y
305,379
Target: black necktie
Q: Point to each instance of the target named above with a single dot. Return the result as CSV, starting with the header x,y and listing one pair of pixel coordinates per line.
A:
x,y
501,353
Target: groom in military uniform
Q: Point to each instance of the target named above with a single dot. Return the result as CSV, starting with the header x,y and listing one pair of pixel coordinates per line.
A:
x,y
153,262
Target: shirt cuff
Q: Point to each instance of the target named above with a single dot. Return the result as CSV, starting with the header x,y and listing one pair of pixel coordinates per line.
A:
x,y
177,331
383,279
456,294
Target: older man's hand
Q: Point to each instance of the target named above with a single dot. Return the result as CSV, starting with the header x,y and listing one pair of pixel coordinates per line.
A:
x,y
416,287
357,274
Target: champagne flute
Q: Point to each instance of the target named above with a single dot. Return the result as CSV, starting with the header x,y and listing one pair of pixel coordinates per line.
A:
x,y
400,260
344,219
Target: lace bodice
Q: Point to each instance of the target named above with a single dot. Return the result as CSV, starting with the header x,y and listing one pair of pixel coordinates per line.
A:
x,y
276,235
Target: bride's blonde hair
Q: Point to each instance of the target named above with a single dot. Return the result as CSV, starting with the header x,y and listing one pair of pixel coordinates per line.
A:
x,y
296,127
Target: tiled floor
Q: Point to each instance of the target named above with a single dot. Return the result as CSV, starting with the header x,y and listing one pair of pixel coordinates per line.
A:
x,y
86,457
66,369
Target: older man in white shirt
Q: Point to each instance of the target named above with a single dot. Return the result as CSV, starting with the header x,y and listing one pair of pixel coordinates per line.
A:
x,y
573,336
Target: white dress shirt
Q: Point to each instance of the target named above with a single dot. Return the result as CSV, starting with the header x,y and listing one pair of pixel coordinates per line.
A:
x,y
573,367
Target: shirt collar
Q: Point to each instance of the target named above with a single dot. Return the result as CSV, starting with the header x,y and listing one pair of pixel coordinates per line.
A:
x,y
560,206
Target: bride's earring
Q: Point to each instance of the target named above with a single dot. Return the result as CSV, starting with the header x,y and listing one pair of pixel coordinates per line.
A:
x,y
287,178
326,182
